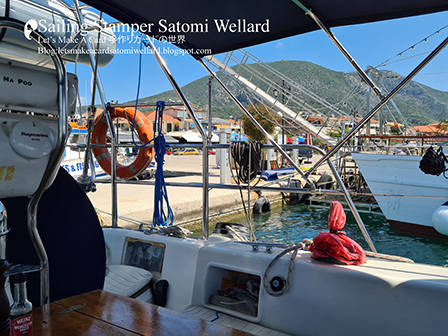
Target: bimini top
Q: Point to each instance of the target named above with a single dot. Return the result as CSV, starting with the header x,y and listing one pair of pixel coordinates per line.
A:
x,y
212,26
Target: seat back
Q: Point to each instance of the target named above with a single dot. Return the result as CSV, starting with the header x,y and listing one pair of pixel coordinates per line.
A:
x,y
72,237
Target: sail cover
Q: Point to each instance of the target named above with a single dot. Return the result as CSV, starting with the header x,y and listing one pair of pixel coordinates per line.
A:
x,y
211,26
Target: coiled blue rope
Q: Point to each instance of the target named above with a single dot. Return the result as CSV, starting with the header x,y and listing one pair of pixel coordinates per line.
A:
x,y
160,217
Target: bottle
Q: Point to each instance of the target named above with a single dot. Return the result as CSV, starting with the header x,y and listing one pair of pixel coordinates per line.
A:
x,y
21,313
4,303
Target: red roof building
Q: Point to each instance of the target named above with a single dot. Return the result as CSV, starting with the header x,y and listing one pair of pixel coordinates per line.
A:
x,y
169,123
431,129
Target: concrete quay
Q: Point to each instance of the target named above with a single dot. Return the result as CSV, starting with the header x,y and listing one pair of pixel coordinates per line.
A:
x,y
136,202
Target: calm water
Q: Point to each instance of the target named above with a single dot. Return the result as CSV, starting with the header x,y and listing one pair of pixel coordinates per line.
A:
x,y
297,222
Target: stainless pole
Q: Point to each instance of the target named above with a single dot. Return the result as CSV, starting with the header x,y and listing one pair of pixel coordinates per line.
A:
x,y
110,125
249,207
381,118
352,207
369,107
255,122
205,165
383,102
209,137
349,201
51,171
338,44
176,87
90,118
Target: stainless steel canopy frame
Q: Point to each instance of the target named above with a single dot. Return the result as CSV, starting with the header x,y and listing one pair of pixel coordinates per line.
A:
x,y
326,157
365,77
294,164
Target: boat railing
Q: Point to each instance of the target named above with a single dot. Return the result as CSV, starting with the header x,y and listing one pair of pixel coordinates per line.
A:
x,y
413,145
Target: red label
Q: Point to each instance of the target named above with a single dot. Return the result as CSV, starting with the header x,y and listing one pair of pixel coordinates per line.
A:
x,y
22,325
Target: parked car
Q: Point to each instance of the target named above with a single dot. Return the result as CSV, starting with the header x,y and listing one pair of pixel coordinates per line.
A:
x,y
212,152
187,151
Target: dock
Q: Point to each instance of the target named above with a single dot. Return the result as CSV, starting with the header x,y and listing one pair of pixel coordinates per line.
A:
x,y
136,202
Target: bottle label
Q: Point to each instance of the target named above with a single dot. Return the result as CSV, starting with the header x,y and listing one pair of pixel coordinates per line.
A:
x,y
22,325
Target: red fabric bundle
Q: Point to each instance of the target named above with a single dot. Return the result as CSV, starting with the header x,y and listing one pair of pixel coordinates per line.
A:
x,y
335,246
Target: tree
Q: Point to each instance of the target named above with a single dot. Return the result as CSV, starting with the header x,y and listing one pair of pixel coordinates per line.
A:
x,y
264,118
443,126
396,130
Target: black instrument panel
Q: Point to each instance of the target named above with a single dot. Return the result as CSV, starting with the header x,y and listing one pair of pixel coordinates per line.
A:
x,y
144,254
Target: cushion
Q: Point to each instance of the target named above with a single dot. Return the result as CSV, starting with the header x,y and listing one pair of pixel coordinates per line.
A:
x,y
126,280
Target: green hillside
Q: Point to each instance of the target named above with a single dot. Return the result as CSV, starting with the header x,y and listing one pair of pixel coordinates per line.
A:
x,y
418,103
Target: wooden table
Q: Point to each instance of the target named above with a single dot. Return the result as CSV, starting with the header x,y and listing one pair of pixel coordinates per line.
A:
x,y
106,313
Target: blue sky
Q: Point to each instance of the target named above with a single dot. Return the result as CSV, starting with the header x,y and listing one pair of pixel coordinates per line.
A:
x,y
370,44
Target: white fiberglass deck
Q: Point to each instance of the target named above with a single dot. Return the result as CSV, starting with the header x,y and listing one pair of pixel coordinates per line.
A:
x,y
378,298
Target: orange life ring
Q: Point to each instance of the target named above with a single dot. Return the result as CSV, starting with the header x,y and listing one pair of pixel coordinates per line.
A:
x,y
145,134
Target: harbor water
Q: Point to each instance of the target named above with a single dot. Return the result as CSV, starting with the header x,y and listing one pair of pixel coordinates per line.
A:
x,y
288,223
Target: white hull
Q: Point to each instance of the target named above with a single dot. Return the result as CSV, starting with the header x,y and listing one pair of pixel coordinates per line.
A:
x,y
414,195
75,168
73,163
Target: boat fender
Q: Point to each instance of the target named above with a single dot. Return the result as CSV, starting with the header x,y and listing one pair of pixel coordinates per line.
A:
x,y
306,197
440,219
145,134
262,205
294,198
325,182
335,247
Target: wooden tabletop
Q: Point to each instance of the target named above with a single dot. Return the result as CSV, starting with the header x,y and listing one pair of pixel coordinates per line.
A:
x,y
105,313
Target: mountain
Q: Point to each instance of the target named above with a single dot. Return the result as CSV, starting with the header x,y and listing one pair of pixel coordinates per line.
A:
x,y
418,103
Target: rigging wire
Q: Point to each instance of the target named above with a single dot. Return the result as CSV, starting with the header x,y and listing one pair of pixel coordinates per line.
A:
x,y
412,47
142,43
273,120
405,59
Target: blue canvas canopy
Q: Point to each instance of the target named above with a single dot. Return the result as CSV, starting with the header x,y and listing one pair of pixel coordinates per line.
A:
x,y
210,26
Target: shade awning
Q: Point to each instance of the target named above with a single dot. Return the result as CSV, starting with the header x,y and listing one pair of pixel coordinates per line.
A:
x,y
170,140
209,26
